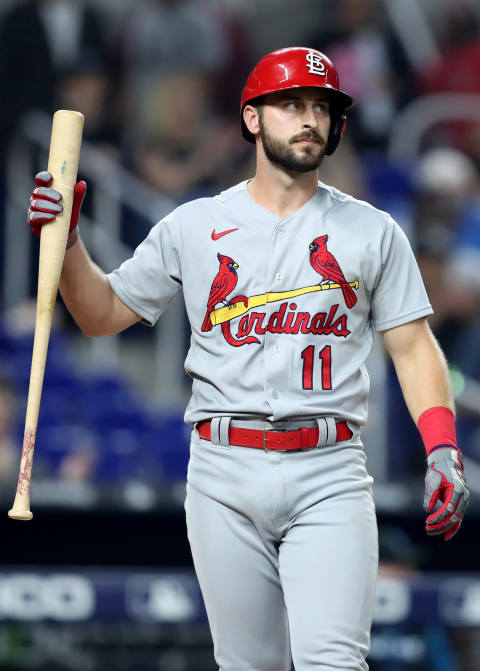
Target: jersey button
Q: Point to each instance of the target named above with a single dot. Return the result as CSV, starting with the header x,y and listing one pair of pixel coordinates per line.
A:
x,y
275,394
276,348
281,229
278,276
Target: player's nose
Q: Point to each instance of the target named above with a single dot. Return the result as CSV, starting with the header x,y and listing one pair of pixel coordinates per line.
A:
x,y
309,118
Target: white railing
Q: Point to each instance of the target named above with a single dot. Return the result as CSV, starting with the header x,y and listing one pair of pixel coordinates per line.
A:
x,y
411,23
420,115
113,188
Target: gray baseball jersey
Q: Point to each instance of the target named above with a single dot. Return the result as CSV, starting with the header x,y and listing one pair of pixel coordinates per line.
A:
x,y
282,311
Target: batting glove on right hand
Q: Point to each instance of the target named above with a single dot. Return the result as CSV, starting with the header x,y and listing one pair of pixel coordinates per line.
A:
x,y
45,205
445,482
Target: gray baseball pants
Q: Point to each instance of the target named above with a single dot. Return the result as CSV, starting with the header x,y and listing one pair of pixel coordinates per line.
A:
x,y
285,550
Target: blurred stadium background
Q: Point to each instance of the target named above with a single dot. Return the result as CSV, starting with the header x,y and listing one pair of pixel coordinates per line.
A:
x,y
102,578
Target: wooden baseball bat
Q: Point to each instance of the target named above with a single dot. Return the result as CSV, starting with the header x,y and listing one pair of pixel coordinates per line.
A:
x,y
63,158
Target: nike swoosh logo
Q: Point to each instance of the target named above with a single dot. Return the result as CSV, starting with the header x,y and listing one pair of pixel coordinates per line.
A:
x,y
217,236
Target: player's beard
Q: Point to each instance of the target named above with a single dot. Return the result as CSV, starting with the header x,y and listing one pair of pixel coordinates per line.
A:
x,y
281,153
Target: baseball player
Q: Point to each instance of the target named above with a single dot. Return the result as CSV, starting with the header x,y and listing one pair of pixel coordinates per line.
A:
x,y
285,281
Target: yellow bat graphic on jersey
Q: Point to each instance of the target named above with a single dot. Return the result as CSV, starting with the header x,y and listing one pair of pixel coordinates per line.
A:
x,y
238,309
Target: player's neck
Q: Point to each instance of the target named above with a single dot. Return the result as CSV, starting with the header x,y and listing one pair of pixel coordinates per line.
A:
x,y
280,192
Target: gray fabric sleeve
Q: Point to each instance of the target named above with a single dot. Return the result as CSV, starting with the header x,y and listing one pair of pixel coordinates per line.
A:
x,y
151,278
399,294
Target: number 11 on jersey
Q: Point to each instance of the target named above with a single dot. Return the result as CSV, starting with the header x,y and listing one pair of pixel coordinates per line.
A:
x,y
325,356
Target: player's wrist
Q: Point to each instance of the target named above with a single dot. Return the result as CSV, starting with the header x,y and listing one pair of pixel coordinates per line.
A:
x,y
437,429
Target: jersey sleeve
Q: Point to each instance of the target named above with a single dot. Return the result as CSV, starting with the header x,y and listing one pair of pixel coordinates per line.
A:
x,y
149,280
399,295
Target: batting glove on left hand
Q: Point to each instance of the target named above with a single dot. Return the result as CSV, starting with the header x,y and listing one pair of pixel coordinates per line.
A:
x,y
445,482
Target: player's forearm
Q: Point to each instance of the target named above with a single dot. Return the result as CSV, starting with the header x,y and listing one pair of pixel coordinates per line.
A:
x,y
421,370
425,381
86,291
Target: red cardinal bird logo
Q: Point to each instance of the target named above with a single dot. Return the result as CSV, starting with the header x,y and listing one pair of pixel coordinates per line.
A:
x,y
326,265
224,283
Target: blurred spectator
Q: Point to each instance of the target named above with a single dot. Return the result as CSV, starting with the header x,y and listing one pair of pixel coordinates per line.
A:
x,y
399,556
80,463
40,42
446,238
173,35
447,225
456,70
188,149
372,66
182,60
165,37
235,66
86,88
346,172
39,39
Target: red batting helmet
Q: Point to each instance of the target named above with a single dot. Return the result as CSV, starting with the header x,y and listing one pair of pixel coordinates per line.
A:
x,y
293,67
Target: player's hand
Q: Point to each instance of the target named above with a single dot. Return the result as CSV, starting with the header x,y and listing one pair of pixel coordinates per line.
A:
x,y
445,482
45,205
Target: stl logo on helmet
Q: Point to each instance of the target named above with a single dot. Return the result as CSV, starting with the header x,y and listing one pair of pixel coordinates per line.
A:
x,y
315,64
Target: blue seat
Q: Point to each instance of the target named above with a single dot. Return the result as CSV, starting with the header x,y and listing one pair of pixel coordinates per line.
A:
x,y
123,456
168,440
56,441
100,412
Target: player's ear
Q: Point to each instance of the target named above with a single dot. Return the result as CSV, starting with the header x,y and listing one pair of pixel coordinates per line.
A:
x,y
251,117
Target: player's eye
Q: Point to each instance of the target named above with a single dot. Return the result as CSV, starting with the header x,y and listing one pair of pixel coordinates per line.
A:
x,y
293,105
322,107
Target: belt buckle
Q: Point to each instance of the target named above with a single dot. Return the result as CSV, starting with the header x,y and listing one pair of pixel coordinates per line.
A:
x,y
264,432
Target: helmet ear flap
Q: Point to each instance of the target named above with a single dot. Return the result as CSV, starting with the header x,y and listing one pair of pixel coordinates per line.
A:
x,y
337,130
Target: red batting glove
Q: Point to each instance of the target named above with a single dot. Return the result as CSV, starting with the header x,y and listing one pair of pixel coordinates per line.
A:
x,y
45,205
445,483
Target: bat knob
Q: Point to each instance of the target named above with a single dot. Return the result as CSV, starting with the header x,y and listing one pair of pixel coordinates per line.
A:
x,y
20,514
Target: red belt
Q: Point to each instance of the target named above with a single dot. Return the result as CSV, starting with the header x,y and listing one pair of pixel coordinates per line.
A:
x,y
297,439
